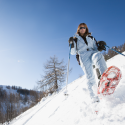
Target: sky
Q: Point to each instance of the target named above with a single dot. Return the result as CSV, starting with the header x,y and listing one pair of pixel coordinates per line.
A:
x,y
32,31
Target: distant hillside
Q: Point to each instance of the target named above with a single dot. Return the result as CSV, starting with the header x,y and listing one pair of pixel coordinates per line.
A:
x,y
15,100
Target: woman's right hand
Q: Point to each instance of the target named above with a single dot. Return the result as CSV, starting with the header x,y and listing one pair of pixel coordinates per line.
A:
x,y
70,40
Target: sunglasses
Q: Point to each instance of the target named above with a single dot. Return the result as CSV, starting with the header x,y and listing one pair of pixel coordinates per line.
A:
x,y
82,28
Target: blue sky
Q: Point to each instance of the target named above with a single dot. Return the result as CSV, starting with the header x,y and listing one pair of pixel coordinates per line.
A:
x,y
33,30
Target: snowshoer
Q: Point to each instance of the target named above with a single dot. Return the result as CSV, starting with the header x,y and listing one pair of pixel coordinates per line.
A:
x,y
88,54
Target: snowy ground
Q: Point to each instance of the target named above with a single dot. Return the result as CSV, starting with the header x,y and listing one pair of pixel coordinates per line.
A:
x,y
77,109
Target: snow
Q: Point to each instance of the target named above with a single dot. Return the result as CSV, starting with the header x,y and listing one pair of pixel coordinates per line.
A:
x,y
76,108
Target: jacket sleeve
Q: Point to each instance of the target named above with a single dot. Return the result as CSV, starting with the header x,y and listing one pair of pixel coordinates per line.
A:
x,y
73,48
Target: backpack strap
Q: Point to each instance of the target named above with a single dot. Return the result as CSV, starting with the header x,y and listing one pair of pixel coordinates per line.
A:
x,y
94,39
75,39
77,55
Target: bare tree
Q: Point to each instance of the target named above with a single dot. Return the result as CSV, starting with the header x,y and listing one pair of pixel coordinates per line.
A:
x,y
55,72
106,56
80,75
123,47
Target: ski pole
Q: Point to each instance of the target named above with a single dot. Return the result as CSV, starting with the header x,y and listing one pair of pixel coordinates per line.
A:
x,y
114,50
68,69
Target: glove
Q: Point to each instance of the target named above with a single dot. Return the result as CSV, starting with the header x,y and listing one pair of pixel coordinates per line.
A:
x,y
101,45
71,42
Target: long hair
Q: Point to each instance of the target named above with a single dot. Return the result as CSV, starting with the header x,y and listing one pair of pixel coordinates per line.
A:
x,y
87,30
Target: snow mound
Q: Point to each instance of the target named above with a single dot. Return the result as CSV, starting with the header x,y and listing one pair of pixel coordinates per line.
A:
x,y
76,108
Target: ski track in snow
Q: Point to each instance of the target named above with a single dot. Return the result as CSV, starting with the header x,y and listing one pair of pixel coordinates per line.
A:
x,y
77,109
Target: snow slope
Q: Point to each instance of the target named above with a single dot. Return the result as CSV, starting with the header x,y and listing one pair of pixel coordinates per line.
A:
x,y
77,109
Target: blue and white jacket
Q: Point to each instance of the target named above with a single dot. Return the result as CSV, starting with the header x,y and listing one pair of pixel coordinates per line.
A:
x,y
82,47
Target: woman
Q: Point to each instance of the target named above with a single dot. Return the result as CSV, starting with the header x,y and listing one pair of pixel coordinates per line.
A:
x,y
88,49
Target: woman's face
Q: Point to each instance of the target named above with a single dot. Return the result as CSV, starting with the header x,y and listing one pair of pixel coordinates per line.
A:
x,y
82,29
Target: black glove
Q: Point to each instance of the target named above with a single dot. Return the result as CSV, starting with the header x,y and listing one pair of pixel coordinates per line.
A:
x,y
101,46
71,42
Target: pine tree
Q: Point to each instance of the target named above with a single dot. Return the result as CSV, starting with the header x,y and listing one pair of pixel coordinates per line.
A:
x,y
54,75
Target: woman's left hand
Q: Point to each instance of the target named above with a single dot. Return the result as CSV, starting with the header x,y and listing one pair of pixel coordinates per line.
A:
x,y
101,45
